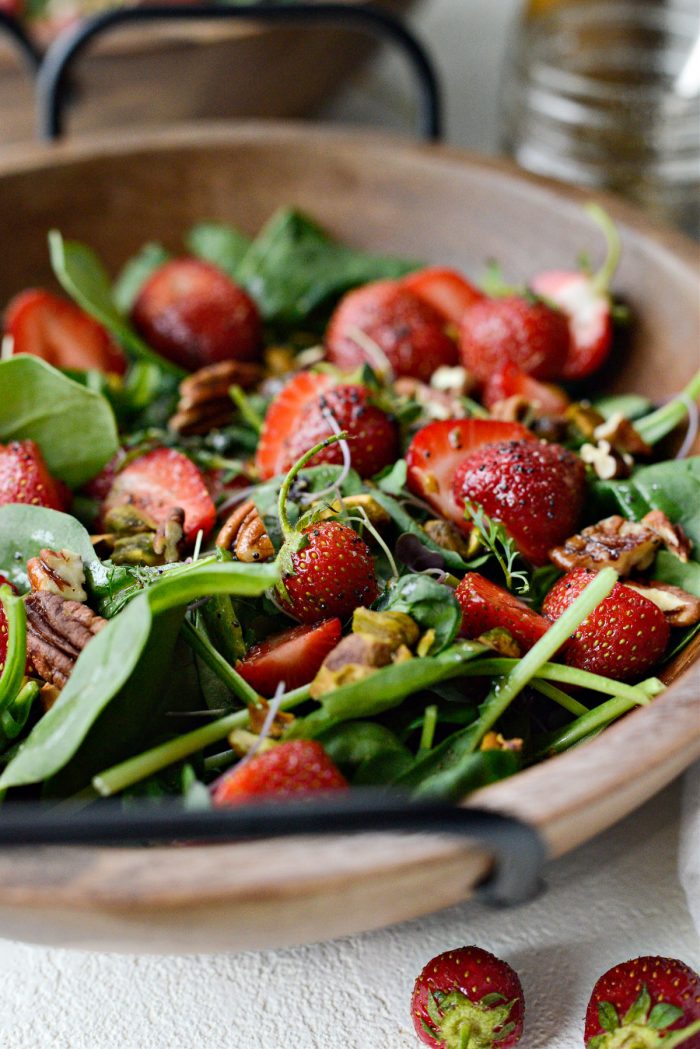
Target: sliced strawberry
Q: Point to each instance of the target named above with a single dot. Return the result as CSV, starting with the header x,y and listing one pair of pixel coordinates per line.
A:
x,y
486,606
509,381
299,766
195,315
532,335
284,417
293,657
55,329
445,290
24,477
160,480
384,321
437,450
589,314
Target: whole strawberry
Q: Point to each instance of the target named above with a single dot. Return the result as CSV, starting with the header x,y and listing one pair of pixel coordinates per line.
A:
x,y
623,638
407,331
295,422
468,997
529,333
487,606
536,490
299,766
643,1003
24,477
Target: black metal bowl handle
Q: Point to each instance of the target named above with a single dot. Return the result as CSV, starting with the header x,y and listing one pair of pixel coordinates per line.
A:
x,y
54,70
11,27
517,849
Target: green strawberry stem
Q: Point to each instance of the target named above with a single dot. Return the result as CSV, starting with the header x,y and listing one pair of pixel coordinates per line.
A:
x,y
16,656
200,643
287,527
14,718
430,718
248,412
591,721
666,418
505,689
562,698
127,773
602,279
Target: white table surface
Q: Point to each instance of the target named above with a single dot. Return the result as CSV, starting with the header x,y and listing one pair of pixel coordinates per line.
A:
x,y
617,897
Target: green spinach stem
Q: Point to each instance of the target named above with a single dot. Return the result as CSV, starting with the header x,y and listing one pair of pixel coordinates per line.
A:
x,y
16,655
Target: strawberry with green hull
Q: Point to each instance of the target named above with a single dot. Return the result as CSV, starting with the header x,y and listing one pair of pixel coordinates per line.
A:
x,y
293,657
645,1003
536,490
487,606
296,767
624,638
384,322
24,478
468,999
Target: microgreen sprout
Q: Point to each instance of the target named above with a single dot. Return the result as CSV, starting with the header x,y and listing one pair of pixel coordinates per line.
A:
x,y
495,537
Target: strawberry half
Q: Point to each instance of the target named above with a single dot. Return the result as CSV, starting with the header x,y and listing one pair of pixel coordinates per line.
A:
x,y
536,490
160,480
408,332
55,329
24,477
646,1002
299,766
509,381
468,997
446,290
531,334
437,450
293,656
623,638
194,315
296,422
486,606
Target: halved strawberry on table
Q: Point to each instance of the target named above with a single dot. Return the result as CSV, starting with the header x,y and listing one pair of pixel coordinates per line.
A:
x,y
48,326
385,323
24,478
437,450
157,482
293,657
290,769
310,408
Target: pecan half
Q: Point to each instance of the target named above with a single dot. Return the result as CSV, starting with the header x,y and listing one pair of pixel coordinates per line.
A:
x,y
204,402
245,534
672,536
58,572
613,542
449,537
57,632
678,606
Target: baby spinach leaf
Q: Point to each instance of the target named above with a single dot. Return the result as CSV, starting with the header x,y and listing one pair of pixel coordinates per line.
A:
x,y
452,770
365,751
431,604
631,405
135,274
83,277
670,569
74,426
393,478
405,523
293,267
221,245
25,530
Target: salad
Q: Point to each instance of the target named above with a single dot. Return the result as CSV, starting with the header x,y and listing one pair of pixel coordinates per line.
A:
x,y
277,516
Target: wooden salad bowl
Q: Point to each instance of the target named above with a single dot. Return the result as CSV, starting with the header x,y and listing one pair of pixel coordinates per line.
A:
x,y
388,196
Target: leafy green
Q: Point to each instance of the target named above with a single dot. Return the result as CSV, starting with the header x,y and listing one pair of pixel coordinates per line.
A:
x,y
293,267
82,276
670,569
15,658
222,245
432,605
368,753
631,405
393,478
25,530
451,770
73,426
135,274
405,523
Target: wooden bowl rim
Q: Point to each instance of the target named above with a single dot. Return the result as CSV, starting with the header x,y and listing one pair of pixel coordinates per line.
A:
x,y
679,734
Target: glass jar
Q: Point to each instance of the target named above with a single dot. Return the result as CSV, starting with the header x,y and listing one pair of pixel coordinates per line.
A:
x,y
606,93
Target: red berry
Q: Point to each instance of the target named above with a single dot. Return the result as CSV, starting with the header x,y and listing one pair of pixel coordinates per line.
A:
x,y
3,624
24,477
437,450
532,335
486,606
293,425
588,311
299,766
293,657
55,329
194,314
508,381
332,574
158,481
445,290
623,638
409,332
468,997
536,490
638,1003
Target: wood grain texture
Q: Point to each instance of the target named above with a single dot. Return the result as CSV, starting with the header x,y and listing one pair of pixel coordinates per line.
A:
x,y
436,205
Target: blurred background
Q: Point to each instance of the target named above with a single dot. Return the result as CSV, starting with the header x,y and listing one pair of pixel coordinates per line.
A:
x,y
604,93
